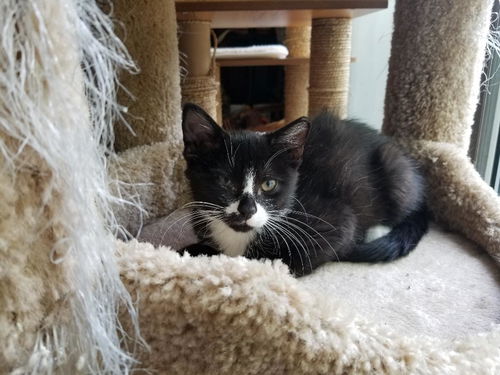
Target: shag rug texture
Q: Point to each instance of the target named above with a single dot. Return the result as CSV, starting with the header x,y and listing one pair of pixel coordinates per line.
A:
x,y
447,287
220,315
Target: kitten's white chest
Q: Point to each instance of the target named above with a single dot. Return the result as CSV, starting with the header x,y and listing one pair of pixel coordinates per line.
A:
x,y
229,241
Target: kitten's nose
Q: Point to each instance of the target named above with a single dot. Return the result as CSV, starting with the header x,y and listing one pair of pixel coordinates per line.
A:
x,y
247,206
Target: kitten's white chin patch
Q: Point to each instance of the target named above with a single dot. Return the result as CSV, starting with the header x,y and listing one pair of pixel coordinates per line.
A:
x,y
229,241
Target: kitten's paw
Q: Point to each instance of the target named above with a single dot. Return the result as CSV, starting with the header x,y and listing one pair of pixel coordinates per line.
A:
x,y
199,249
376,232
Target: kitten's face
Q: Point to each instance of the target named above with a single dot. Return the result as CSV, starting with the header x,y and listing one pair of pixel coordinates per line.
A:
x,y
242,177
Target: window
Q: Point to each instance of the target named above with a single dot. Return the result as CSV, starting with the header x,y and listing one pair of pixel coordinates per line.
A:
x,y
485,142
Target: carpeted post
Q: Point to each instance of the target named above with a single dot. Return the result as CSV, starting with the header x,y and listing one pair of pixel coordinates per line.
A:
x,y
150,170
59,285
329,65
149,31
436,61
298,42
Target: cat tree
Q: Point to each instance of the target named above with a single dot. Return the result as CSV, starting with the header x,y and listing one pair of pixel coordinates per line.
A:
x,y
215,315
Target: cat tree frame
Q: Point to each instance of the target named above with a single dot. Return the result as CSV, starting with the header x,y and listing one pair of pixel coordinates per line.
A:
x,y
216,315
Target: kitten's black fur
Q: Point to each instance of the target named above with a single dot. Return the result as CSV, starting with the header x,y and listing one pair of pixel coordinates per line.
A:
x,y
335,180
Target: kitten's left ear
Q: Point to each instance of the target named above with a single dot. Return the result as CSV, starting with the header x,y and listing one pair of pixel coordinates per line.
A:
x,y
292,137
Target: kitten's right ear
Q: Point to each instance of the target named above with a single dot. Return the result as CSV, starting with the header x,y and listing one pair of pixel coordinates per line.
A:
x,y
200,132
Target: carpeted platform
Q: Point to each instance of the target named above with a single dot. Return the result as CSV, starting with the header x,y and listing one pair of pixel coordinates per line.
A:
x,y
71,297
447,287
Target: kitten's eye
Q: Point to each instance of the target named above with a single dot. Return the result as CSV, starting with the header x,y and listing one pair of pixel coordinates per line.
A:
x,y
268,185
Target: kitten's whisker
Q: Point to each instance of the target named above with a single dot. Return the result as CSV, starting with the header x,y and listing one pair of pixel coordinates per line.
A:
x,y
307,215
235,152
303,246
202,204
273,238
200,220
275,155
293,235
229,160
320,235
167,230
208,219
304,214
231,154
300,231
275,243
276,230
173,212
188,217
300,204
290,235
316,232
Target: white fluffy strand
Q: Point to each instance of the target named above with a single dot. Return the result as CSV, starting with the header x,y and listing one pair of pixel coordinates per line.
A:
x,y
34,71
492,49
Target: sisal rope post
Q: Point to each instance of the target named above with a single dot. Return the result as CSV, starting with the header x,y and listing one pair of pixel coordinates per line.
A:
x,y
329,65
201,91
298,42
198,85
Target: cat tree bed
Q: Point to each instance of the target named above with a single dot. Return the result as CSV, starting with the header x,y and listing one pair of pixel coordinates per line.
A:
x,y
347,318
223,315
424,293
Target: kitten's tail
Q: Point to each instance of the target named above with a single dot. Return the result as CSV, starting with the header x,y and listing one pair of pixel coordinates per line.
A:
x,y
402,239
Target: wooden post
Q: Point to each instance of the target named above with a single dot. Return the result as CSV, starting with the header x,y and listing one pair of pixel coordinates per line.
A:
x,y
298,42
198,82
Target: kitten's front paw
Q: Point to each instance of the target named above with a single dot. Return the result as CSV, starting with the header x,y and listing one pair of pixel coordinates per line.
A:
x,y
199,249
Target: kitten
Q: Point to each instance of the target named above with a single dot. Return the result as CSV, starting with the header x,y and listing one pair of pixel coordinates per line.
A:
x,y
307,193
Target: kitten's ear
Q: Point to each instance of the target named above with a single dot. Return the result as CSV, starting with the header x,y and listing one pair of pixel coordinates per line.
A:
x,y
200,132
292,137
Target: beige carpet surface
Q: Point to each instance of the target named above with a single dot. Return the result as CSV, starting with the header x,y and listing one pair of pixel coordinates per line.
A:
x,y
447,287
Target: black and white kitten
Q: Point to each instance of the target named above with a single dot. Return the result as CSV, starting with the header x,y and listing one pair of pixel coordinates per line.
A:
x,y
307,193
